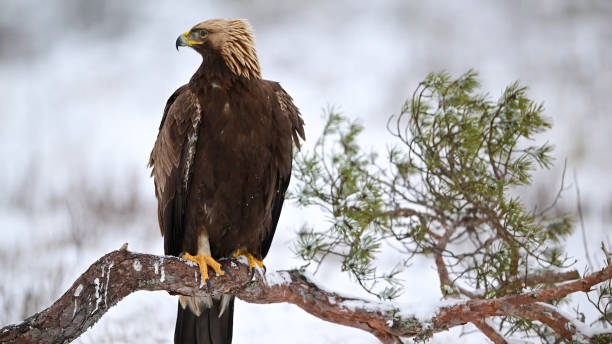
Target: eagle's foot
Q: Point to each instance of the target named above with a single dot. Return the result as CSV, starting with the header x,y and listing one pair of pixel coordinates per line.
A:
x,y
204,262
253,262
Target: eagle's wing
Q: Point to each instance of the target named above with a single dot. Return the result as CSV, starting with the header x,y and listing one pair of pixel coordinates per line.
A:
x,y
170,160
289,114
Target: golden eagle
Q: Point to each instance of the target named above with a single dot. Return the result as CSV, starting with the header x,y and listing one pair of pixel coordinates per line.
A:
x,y
221,165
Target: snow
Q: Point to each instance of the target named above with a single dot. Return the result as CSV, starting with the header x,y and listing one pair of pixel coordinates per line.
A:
x,y
79,119
78,290
137,265
77,293
275,278
107,281
98,300
425,311
582,328
353,305
518,341
422,311
243,260
190,263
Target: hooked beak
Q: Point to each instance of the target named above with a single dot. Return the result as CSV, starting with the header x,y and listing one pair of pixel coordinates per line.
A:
x,y
186,40
182,40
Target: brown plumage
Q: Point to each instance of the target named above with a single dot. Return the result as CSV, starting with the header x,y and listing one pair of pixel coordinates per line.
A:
x,y
222,163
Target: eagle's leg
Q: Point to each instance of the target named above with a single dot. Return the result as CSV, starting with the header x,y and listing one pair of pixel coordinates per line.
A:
x,y
204,261
253,262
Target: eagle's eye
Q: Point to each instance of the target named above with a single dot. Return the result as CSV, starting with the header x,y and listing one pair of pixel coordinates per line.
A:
x,y
202,33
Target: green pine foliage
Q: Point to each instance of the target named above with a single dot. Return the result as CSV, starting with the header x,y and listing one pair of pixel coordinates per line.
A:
x,y
442,189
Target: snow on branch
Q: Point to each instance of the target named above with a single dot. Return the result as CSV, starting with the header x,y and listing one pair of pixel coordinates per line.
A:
x,y
120,273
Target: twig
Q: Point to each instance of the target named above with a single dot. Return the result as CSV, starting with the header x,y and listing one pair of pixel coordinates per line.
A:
x,y
489,331
559,192
581,217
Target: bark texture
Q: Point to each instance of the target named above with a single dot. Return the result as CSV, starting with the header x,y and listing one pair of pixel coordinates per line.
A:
x,y
120,273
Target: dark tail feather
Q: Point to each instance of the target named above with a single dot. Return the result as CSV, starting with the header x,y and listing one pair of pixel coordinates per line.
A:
x,y
208,328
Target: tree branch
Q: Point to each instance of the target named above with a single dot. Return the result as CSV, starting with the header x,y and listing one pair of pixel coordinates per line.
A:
x,y
120,273
489,331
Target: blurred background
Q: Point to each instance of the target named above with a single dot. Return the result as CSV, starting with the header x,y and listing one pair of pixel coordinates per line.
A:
x,y
83,85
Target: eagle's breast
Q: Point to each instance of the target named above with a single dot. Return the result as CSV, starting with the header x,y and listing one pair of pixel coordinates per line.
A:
x,y
234,175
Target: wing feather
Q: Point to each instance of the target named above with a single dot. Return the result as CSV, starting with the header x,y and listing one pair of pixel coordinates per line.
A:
x,y
291,115
170,161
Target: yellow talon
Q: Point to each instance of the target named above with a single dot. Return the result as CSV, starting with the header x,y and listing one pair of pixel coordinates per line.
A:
x,y
253,262
204,262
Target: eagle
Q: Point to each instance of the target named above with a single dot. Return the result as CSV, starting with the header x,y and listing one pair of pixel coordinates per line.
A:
x,y
221,165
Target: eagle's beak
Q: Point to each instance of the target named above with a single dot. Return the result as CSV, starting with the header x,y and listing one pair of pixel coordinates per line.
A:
x,y
186,40
182,40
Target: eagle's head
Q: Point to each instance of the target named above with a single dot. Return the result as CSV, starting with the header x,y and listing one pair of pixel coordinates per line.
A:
x,y
232,39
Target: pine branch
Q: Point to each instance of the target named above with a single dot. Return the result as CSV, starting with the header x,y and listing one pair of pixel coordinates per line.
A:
x,y
489,331
120,273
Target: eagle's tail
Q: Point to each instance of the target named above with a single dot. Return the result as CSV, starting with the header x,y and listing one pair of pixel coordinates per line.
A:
x,y
213,326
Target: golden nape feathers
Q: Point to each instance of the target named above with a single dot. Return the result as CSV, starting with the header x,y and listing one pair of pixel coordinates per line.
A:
x,y
234,40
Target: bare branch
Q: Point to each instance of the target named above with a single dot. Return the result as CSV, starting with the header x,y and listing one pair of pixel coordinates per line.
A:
x,y
489,331
120,273
550,277
581,217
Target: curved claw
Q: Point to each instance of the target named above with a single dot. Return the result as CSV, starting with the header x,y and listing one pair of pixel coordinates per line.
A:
x,y
228,272
253,262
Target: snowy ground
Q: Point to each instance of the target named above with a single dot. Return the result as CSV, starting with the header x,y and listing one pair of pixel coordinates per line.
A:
x,y
84,83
